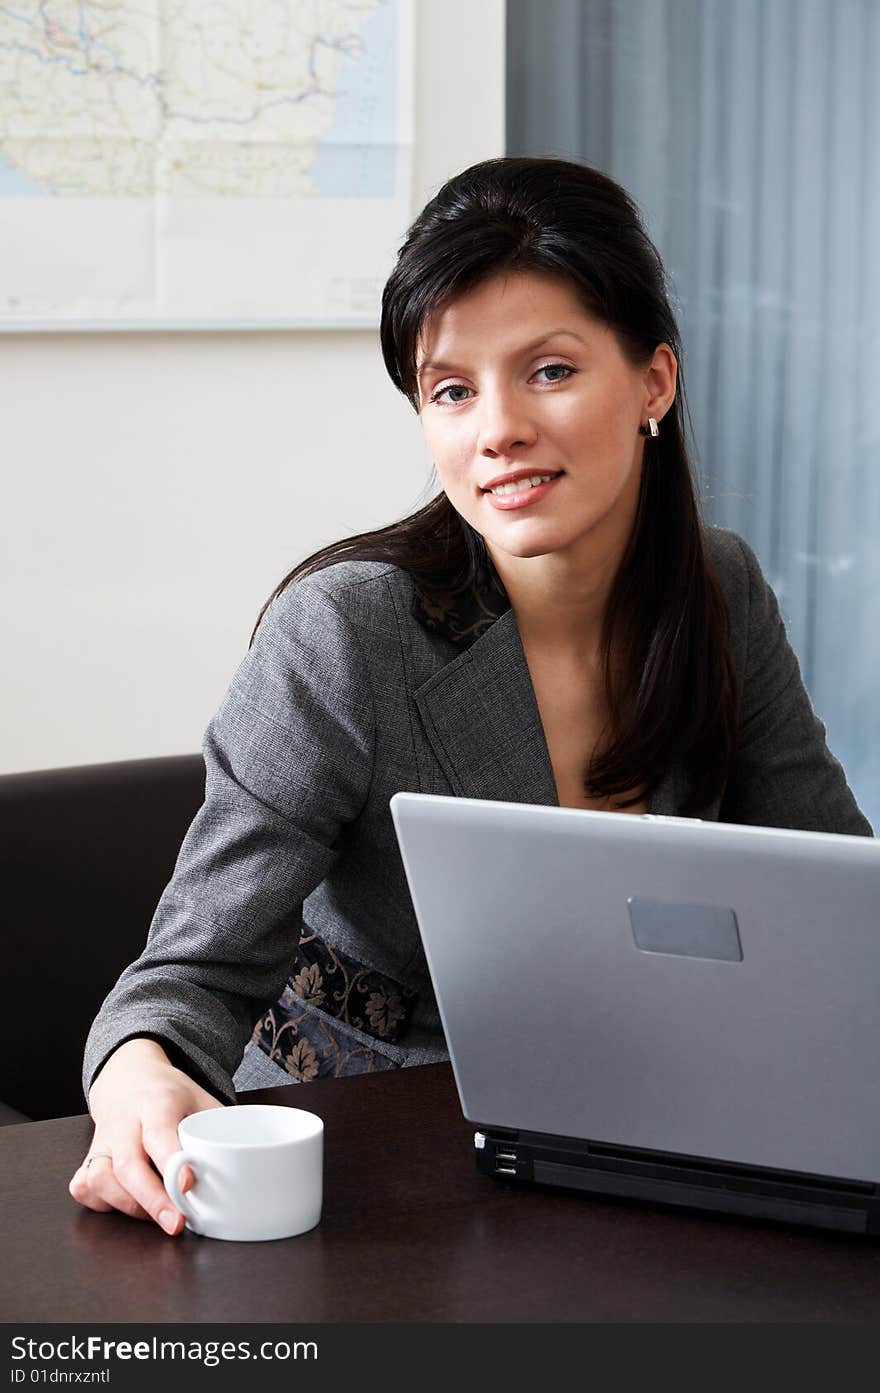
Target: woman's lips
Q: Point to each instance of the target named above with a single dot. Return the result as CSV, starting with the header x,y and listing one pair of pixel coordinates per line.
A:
x,y
505,502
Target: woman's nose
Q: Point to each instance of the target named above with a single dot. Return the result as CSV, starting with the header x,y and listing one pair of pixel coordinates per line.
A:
x,y
505,423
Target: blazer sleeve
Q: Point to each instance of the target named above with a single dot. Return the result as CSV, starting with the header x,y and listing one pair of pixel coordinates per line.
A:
x,y
784,774
289,758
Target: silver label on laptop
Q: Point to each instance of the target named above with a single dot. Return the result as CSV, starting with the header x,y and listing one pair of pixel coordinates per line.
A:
x,y
686,930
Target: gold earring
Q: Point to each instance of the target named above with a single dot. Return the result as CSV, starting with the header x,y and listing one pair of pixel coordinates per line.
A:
x,y
651,428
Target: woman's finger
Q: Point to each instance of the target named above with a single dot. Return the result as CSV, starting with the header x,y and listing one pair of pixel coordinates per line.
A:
x,y
139,1179
161,1115
95,1185
128,1182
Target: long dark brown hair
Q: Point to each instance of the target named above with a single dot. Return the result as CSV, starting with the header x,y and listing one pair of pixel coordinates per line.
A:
x,y
668,671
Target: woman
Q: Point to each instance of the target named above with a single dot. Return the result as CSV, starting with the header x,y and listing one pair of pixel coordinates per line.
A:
x,y
556,626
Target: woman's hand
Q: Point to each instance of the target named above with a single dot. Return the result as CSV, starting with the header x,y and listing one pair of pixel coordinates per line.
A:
x,y
136,1102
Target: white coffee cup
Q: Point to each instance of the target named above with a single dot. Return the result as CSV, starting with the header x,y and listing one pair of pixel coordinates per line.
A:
x,y
258,1172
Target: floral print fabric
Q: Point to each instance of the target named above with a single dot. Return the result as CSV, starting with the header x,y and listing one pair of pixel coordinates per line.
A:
x,y
462,615
305,1031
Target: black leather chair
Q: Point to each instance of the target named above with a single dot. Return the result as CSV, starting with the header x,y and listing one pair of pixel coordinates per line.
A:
x,y
85,854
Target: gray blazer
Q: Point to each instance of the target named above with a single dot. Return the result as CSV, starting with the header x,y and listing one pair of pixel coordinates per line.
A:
x,y
289,888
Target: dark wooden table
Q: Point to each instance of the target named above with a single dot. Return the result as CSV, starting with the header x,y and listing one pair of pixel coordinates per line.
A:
x,y
410,1233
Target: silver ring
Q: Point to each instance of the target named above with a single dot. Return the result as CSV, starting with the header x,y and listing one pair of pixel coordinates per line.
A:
x,y
99,1156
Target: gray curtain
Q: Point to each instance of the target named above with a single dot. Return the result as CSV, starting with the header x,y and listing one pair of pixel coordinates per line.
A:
x,y
749,133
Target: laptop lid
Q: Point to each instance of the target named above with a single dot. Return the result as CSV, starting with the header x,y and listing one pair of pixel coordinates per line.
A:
x,y
704,989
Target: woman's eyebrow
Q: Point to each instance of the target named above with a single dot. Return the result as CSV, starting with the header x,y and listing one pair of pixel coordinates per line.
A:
x,y
552,334
436,365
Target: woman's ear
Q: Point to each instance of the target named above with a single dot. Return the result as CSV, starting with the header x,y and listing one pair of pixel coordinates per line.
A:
x,y
661,376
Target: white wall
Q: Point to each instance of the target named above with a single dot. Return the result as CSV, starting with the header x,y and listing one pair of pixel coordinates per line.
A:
x,y
155,487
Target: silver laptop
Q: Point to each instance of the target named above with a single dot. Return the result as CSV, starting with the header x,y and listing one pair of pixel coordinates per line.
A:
x,y
658,1008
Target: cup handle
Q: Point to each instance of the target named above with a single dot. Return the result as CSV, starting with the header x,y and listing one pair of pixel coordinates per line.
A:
x,y
171,1180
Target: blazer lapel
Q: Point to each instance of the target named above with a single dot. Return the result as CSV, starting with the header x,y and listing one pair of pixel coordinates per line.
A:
x,y
479,711
667,797
481,718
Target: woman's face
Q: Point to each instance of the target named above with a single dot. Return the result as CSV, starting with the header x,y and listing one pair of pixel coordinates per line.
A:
x,y
517,381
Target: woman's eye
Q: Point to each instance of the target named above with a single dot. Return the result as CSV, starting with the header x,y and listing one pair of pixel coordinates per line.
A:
x,y
443,398
557,372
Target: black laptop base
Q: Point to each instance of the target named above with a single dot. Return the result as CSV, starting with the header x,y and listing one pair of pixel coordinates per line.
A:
x,y
683,1181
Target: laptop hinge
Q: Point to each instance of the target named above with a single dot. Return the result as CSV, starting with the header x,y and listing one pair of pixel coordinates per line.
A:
x,y
661,1179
